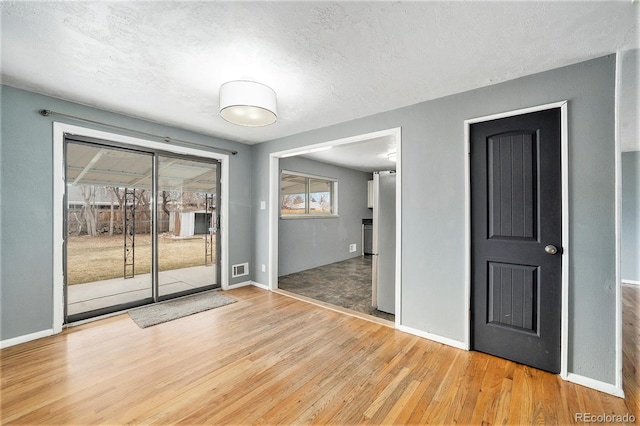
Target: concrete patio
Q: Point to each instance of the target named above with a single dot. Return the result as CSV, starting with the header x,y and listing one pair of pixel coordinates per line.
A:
x,y
101,294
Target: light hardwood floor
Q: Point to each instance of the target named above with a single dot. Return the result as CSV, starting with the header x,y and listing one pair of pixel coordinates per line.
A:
x,y
273,359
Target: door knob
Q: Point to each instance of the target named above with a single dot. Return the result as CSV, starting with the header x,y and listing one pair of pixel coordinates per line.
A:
x,y
551,249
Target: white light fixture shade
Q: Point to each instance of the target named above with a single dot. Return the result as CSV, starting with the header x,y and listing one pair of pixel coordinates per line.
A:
x,y
248,103
392,156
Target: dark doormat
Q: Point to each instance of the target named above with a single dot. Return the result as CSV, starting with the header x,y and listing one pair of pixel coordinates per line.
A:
x,y
158,313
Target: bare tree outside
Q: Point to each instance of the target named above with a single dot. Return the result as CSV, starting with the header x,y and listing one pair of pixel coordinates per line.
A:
x,y
324,202
88,195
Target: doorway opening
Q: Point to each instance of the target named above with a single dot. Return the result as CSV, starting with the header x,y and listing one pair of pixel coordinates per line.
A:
x,y
329,264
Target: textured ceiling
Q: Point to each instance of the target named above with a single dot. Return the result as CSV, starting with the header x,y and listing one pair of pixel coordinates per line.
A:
x,y
369,155
328,62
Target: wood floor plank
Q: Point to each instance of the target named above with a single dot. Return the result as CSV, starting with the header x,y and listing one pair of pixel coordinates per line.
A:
x,y
441,361
271,359
471,377
323,389
359,376
631,346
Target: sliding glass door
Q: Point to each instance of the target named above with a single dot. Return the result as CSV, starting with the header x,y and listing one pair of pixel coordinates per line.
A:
x,y
108,238
141,226
187,225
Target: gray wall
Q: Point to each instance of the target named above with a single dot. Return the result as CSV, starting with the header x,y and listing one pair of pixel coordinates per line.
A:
x,y
630,227
629,99
26,293
308,243
630,141
433,200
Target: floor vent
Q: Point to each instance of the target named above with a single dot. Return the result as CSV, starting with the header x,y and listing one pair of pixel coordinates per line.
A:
x,y
240,270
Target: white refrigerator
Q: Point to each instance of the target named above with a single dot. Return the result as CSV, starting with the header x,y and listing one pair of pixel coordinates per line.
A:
x,y
384,242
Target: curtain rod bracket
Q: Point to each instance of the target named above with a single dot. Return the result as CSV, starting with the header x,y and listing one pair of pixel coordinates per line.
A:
x,y
167,139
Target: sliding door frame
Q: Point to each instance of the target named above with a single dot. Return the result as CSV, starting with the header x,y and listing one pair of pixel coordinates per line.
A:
x,y
158,297
59,196
105,145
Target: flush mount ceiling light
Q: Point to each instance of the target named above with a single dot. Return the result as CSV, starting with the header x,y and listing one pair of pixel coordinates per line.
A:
x,y
392,156
248,103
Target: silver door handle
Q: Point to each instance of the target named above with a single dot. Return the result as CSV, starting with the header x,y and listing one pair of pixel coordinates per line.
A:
x,y
551,249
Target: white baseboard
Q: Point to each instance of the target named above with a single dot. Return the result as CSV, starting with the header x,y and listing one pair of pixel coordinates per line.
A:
x,y
630,282
262,286
238,285
595,384
434,337
26,338
246,283
571,377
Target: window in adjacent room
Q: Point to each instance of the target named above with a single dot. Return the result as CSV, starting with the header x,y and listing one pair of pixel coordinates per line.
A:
x,y
304,196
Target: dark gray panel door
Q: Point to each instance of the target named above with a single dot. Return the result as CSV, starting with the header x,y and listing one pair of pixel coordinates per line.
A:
x,y
516,220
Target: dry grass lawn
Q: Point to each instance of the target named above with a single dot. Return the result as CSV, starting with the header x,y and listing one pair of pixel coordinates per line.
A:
x,y
100,258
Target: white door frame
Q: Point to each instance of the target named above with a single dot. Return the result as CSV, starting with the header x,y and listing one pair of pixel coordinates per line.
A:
x,y
564,153
274,203
59,131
